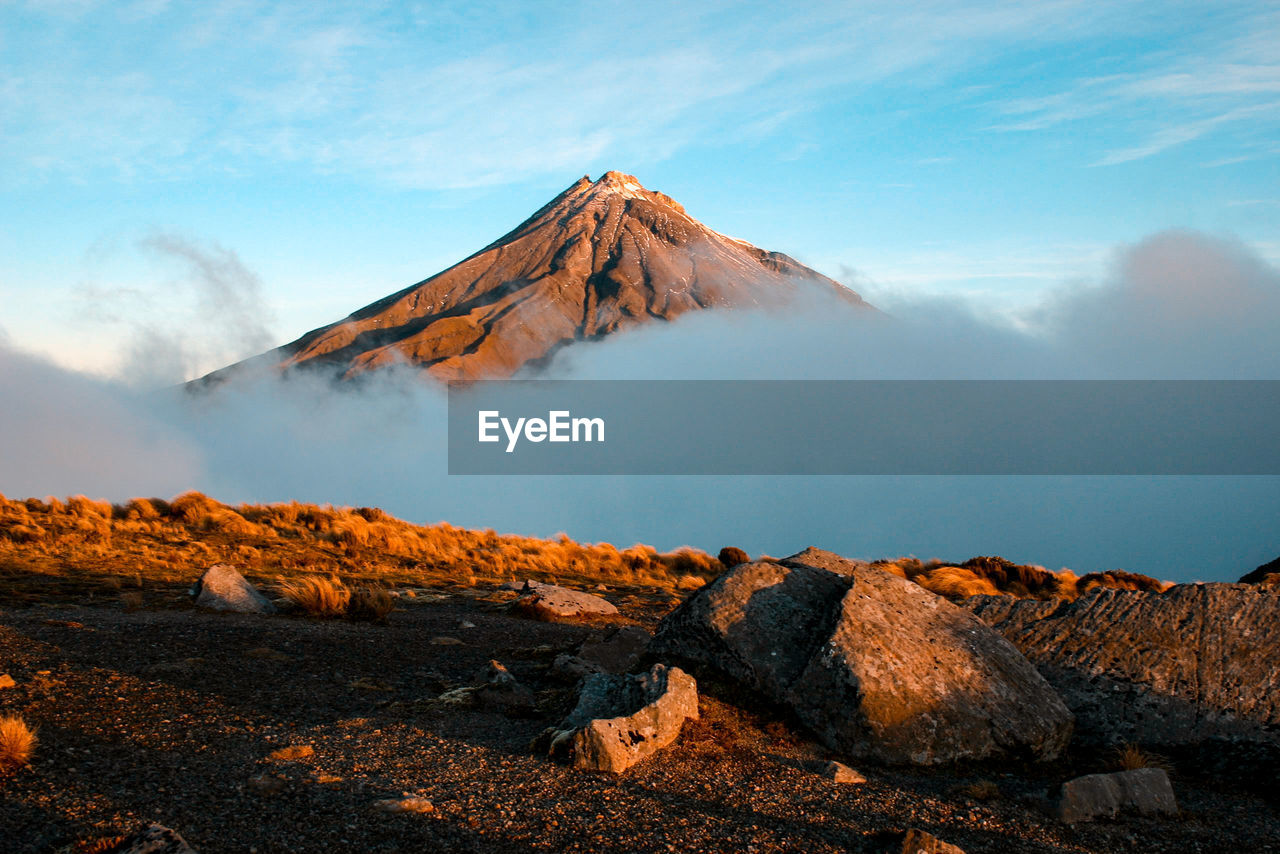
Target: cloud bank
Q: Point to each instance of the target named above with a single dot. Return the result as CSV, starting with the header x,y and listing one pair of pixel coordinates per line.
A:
x,y
1177,305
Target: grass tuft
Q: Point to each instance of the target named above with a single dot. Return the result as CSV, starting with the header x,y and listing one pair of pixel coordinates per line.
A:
x,y
317,596
370,603
17,742
1131,757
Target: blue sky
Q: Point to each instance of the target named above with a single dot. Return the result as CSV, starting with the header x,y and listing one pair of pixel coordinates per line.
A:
x,y
334,153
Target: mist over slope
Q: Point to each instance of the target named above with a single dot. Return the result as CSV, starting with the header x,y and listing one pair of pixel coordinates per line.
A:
x,y
1179,304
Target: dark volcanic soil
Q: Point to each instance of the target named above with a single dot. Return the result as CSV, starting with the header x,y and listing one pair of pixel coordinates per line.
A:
x,y
171,716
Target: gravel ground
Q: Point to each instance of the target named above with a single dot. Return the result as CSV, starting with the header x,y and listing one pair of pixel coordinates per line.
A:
x,y
173,716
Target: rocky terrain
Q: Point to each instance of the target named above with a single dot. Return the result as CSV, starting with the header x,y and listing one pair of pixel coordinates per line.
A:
x,y
283,732
602,256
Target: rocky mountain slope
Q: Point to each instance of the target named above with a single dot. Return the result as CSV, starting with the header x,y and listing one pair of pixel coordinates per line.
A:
x,y
600,257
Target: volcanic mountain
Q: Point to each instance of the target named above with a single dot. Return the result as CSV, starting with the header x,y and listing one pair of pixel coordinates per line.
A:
x,y
600,257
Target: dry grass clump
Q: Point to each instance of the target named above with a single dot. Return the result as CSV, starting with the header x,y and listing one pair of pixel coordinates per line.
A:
x,y
731,556
292,753
317,596
955,582
1131,757
1119,579
370,603
17,742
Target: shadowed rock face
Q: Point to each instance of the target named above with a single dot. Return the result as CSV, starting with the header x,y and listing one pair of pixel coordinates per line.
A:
x,y
1195,662
600,257
875,665
1263,574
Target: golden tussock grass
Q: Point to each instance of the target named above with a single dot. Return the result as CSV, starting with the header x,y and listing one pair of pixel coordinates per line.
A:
x,y
955,582
50,548
1131,757
370,603
17,742
292,753
317,596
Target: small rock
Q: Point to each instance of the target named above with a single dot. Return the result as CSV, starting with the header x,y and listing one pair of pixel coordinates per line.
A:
x,y
1142,790
266,784
6,681
414,805
551,602
919,842
365,683
466,624
496,688
838,772
153,839
223,588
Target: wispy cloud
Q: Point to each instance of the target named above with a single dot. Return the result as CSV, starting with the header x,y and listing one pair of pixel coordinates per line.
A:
x,y
400,96
1173,97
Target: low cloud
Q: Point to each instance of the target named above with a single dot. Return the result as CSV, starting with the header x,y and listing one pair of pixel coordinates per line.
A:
x,y
1177,304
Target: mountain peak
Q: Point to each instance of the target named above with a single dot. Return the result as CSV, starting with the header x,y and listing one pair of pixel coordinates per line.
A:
x,y
614,183
601,257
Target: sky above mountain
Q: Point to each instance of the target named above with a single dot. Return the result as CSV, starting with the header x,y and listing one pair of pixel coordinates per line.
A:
x,y
236,174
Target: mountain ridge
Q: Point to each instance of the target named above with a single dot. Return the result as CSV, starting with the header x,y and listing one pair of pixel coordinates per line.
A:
x,y
600,257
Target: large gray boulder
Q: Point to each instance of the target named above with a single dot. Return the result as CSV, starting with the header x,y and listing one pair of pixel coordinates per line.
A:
x,y
223,588
620,720
876,666
1145,791
1197,662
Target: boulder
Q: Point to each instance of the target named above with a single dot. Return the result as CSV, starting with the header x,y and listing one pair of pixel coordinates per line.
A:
x,y
1197,662
551,602
919,842
153,839
1145,791
223,588
759,624
876,666
620,720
